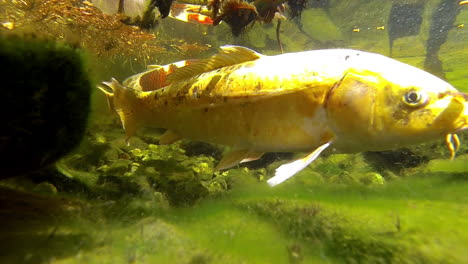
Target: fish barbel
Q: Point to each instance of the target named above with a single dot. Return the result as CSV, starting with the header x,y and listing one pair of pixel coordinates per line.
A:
x,y
295,102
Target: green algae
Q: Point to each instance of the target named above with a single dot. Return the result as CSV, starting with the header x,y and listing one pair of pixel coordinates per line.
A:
x,y
402,222
318,25
459,165
172,205
422,219
234,233
343,208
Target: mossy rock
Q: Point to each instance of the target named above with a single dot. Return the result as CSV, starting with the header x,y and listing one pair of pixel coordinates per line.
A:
x,y
46,103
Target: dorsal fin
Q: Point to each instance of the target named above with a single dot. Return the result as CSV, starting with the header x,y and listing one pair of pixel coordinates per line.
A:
x,y
229,55
146,81
155,77
153,80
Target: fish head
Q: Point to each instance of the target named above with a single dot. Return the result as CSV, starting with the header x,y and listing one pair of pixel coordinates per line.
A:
x,y
385,109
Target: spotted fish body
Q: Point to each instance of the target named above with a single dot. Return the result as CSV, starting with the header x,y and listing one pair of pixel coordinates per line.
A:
x,y
218,107
297,102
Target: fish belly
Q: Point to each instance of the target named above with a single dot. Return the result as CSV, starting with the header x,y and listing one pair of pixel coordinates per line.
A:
x,y
292,122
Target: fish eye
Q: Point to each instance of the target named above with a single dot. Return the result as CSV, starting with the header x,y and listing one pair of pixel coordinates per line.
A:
x,y
414,98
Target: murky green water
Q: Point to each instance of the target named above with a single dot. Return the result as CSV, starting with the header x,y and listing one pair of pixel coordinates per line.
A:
x,y
107,202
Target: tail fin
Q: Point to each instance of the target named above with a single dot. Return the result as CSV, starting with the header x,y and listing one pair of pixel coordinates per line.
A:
x,y
123,100
108,92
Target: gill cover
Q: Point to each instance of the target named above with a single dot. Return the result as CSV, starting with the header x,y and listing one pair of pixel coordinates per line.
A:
x,y
351,105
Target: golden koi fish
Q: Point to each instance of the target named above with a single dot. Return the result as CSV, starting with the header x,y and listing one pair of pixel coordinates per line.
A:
x,y
297,102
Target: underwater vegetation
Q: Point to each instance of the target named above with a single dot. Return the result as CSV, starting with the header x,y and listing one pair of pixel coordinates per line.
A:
x,y
340,209
81,24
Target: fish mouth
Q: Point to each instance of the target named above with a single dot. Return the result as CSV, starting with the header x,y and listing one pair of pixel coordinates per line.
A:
x,y
453,115
460,95
460,99
464,115
105,87
451,139
463,126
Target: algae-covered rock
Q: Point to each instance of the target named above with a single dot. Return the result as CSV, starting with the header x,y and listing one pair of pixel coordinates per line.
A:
x,y
183,172
45,103
372,178
342,169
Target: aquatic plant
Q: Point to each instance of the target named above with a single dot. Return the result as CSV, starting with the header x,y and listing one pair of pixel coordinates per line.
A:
x,y
110,168
80,23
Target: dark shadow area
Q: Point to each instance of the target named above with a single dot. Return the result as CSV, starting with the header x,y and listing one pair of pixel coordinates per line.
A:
x,y
35,228
442,22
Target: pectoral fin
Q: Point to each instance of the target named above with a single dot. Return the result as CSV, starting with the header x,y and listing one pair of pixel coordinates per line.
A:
x,y
169,137
288,170
235,157
128,124
251,156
